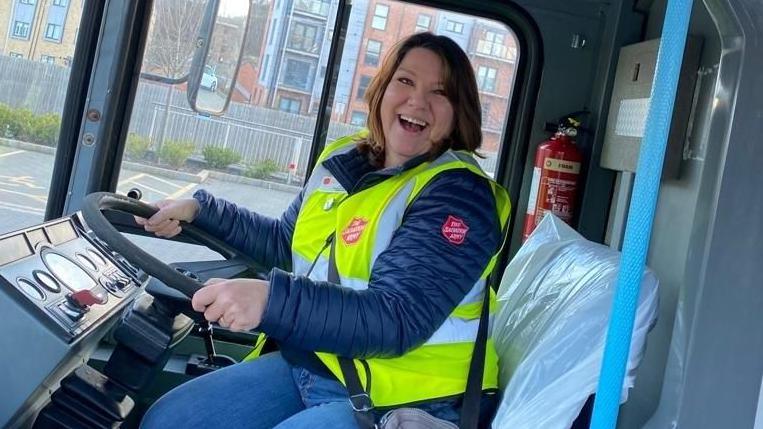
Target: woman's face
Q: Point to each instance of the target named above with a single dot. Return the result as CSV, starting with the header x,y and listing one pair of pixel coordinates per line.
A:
x,y
415,113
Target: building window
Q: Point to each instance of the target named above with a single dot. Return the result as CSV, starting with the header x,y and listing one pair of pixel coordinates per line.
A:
x,y
358,118
26,1
362,86
317,7
423,22
297,74
379,21
53,32
61,3
15,55
373,52
21,29
491,44
47,59
304,38
291,105
454,27
486,78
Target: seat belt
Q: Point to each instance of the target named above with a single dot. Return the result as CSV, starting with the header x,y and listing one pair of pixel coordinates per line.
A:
x,y
361,402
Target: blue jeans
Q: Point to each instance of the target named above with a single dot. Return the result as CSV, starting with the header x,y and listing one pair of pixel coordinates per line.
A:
x,y
264,393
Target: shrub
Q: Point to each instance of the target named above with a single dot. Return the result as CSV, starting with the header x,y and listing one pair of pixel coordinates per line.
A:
x,y
220,157
176,152
136,146
43,129
261,169
15,123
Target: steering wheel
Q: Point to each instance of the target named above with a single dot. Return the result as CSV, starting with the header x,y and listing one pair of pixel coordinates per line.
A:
x,y
91,211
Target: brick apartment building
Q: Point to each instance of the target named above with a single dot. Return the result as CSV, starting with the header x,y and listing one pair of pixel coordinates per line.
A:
x,y
40,30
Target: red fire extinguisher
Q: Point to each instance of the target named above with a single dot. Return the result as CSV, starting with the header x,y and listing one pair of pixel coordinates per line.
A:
x,y
555,177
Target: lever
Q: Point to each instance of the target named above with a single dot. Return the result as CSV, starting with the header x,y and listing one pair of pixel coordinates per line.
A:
x,y
135,193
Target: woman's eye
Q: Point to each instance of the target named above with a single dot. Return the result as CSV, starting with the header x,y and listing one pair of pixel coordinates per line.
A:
x,y
440,92
405,81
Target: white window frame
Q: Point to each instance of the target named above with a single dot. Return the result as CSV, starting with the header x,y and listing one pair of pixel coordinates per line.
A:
x,y
379,20
372,54
486,78
52,34
420,27
26,26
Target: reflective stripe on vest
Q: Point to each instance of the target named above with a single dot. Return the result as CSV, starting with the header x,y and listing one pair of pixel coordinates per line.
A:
x,y
364,224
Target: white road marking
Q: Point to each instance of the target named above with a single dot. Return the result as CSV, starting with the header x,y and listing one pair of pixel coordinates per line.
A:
x,y
131,179
179,193
21,208
40,198
3,155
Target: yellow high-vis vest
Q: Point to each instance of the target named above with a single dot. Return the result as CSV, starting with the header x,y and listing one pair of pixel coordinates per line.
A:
x,y
363,225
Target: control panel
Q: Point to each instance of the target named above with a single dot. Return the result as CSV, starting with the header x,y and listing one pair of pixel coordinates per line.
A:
x,y
65,275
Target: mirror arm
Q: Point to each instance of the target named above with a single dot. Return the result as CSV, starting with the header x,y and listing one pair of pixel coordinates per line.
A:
x,y
163,79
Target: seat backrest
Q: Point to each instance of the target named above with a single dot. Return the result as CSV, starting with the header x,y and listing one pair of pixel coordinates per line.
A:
x,y
550,328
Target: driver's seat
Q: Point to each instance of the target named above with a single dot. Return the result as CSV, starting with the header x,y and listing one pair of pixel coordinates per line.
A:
x,y
554,305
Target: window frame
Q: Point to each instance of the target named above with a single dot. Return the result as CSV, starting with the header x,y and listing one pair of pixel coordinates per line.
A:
x,y
421,28
291,102
25,35
363,79
484,78
376,16
60,3
54,26
375,56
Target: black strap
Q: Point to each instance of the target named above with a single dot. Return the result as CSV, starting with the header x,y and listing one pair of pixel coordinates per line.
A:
x,y
470,408
359,399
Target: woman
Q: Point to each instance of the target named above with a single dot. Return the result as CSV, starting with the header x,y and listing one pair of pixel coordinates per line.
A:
x,y
414,226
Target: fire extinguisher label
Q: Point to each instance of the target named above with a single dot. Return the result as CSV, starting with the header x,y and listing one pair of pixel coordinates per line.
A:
x,y
557,196
534,191
561,166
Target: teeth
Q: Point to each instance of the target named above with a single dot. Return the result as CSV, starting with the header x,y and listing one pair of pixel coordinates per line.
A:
x,y
413,120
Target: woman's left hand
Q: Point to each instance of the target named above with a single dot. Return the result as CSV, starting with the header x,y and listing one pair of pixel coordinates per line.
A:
x,y
236,304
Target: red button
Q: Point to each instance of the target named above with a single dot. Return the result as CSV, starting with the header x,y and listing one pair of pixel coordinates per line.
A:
x,y
86,298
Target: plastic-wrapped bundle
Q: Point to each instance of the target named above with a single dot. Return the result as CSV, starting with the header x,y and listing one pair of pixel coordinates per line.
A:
x,y
554,303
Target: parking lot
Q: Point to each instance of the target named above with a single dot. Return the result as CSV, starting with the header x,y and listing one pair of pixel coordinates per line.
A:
x,y
25,178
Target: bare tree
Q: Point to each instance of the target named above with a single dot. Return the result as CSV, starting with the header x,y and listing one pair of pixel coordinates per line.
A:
x,y
171,44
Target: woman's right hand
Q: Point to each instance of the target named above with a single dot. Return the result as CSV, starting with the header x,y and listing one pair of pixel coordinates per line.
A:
x,y
166,222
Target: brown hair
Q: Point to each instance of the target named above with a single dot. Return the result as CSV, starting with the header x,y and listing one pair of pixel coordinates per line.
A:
x,y
460,88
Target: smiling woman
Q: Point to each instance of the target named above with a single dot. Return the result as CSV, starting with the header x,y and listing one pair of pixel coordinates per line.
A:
x,y
403,206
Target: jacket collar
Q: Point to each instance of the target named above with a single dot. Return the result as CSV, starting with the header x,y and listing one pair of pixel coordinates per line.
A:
x,y
354,172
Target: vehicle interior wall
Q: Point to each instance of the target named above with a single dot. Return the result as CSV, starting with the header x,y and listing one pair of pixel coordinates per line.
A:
x,y
714,371
577,79
679,216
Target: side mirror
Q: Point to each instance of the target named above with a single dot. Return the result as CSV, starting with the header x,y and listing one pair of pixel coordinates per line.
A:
x,y
219,49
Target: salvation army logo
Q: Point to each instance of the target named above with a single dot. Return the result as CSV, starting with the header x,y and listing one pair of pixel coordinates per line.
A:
x,y
351,234
454,230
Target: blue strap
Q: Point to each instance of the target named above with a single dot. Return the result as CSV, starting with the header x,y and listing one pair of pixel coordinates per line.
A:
x,y
641,214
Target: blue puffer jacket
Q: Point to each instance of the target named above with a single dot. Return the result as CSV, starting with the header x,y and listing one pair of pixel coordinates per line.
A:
x,y
415,283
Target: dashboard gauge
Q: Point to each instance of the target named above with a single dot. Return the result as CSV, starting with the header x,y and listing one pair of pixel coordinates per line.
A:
x,y
87,262
68,272
47,281
30,289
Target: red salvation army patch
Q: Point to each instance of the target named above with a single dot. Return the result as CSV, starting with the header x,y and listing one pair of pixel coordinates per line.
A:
x,y
351,234
454,230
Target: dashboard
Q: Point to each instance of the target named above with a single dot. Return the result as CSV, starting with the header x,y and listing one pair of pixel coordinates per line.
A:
x,y
61,289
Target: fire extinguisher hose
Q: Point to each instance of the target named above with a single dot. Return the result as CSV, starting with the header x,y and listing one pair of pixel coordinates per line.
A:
x,y
641,214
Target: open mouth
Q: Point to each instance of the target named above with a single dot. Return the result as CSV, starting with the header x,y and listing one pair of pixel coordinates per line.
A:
x,y
411,124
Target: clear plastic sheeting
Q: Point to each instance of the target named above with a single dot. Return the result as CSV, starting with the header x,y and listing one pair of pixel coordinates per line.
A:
x,y
554,304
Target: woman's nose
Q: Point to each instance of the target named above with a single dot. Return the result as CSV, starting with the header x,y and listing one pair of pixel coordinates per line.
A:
x,y
416,98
